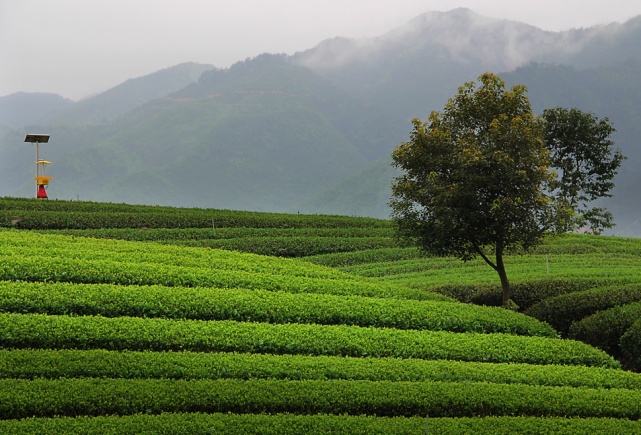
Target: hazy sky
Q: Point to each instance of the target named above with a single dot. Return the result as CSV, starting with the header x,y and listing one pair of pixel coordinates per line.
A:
x,y
81,47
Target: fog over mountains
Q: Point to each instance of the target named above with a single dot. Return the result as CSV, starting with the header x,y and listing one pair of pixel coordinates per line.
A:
x,y
313,131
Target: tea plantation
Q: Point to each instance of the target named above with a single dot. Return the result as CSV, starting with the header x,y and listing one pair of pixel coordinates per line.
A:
x,y
122,319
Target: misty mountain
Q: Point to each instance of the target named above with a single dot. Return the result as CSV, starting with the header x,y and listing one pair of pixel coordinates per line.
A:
x,y
595,46
22,108
313,132
611,91
261,135
120,99
413,69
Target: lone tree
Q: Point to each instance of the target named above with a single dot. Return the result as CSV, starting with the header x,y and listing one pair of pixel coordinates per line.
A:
x,y
478,176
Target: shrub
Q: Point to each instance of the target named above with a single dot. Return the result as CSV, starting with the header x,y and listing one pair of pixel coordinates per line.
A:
x,y
562,311
261,306
127,333
177,234
290,424
73,397
293,246
605,329
631,344
99,363
524,294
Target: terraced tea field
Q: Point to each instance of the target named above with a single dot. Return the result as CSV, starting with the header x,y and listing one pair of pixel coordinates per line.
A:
x,y
122,319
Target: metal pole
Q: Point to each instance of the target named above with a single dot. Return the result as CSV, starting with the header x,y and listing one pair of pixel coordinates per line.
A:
x,y
547,263
427,425
37,168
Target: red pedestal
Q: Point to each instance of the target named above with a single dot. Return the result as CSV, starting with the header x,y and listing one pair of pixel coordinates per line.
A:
x,y
42,193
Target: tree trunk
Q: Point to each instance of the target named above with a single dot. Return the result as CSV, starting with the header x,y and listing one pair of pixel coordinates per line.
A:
x,y
500,268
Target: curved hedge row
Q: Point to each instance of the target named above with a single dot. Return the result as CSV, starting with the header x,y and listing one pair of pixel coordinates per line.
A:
x,y
261,306
73,397
631,344
63,332
99,363
239,218
290,424
164,234
562,311
110,272
344,259
80,220
25,244
524,294
556,245
292,246
605,329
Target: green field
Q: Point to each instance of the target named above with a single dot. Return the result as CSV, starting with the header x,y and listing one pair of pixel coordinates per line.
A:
x,y
130,319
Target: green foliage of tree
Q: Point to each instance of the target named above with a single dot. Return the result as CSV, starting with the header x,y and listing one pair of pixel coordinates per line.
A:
x,y
478,176
582,152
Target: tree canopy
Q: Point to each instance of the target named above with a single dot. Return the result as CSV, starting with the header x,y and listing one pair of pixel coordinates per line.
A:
x,y
478,178
582,153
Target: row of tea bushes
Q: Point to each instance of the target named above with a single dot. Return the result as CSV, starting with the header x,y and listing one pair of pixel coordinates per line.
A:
x,y
289,424
100,363
75,397
571,244
28,244
293,246
185,218
261,306
524,293
129,333
562,311
110,272
344,259
631,345
177,234
433,272
605,329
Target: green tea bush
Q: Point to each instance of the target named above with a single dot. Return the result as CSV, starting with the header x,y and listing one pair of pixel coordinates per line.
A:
x,y
104,214
261,306
290,424
189,218
631,344
177,234
112,272
524,294
127,333
562,311
605,329
99,363
27,244
293,246
74,397
364,257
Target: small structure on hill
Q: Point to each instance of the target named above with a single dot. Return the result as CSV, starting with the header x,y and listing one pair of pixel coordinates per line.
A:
x,y
42,181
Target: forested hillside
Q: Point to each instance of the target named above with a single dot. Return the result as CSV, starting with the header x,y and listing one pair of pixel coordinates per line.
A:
x,y
120,99
298,132
609,91
262,135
